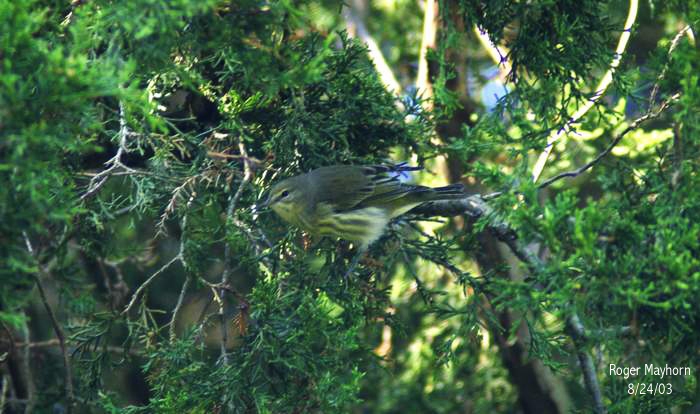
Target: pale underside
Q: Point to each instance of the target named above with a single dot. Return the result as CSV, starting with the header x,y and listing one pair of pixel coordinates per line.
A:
x,y
363,225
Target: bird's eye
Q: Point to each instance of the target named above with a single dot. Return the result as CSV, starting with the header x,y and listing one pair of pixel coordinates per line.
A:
x,y
285,193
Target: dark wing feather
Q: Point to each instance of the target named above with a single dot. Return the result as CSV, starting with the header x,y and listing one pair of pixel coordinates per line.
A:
x,y
347,187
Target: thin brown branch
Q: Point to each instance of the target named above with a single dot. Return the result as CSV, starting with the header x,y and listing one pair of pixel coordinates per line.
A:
x,y
56,326
185,285
671,48
475,207
574,327
148,281
222,155
176,194
178,306
55,342
204,317
634,125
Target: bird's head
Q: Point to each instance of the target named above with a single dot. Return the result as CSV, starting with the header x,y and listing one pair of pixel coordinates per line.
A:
x,y
286,198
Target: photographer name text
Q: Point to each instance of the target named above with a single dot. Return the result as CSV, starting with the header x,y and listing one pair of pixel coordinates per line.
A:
x,y
648,370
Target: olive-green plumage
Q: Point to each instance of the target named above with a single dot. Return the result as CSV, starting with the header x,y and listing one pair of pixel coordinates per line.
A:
x,y
352,202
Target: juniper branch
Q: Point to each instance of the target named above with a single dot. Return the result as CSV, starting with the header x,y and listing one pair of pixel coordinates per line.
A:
x,y
475,207
185,284
148,281
597,95
674,43
115,163
634,125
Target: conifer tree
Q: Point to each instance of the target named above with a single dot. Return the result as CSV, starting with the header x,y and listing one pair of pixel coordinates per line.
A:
x,y
138,275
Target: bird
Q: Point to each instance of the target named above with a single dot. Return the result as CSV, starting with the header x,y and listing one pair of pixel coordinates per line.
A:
x,y
352,202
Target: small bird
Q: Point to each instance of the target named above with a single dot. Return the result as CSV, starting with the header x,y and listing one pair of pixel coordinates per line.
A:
x,y
353,202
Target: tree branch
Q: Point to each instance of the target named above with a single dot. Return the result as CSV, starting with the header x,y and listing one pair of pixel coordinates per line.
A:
x,y
494,51
55,342
671,48
578,336
599,91
573,325
634,125
185,285
178,306
69,17
475,207
68,377
148,281
114,163
576,331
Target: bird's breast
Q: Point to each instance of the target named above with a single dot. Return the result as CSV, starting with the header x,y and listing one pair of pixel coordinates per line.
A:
x,y
363,225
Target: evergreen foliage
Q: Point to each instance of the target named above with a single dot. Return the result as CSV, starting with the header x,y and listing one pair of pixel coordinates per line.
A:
x,y
136,138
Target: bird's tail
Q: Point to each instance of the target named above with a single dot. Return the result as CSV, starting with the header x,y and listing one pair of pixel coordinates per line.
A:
x,y
448,192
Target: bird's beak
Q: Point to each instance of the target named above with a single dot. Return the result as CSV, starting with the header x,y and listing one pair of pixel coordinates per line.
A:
x,y
263,203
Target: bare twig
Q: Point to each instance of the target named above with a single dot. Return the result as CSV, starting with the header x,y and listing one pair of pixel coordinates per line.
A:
x,y
148,281
634,125
114,163
247,176
599,91
222,155
185,285
56,326
55,342
671,48
176,193
187,188
176,310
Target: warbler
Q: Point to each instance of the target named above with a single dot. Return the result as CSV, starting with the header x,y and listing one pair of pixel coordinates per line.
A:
x,y
352,202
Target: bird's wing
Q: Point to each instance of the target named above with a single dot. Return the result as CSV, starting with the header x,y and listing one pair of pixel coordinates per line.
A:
x,y
348,186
